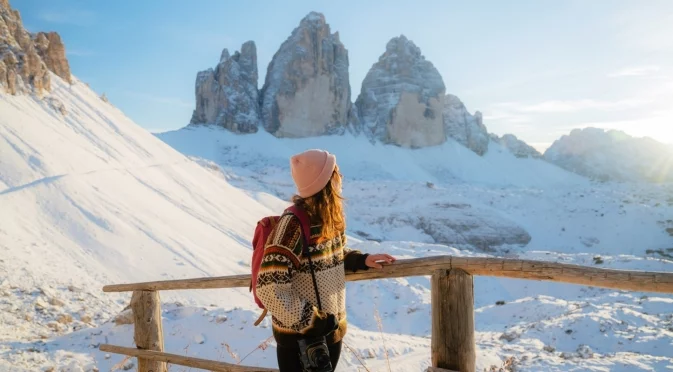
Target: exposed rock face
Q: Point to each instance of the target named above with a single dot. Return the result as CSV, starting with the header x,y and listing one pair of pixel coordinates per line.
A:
x,y
402,98
12,32
51,49
56,105
22,67
519,148
612,155
228,95
449,222
468,130
307,92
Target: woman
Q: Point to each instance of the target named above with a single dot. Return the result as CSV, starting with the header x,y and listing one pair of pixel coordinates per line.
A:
x,y
285,284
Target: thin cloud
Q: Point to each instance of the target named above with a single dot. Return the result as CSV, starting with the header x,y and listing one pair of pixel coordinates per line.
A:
x,y
636,71
507,117
559,106
160,100
76,17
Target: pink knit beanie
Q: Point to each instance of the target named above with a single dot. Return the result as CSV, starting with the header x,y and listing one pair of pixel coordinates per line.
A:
x,y
311,171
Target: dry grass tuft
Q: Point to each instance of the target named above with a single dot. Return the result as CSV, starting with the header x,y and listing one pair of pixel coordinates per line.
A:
x,y
379,324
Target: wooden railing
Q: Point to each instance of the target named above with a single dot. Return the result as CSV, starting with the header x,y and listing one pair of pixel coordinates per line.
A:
x,y
452,344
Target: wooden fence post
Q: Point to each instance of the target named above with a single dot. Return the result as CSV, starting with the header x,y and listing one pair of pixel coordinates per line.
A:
x,y
148,331
453,344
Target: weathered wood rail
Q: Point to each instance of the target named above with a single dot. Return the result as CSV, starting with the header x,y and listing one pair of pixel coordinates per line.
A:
x,y
452,345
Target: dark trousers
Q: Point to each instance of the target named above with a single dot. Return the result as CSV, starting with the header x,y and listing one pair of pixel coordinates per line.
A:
x,y
288,357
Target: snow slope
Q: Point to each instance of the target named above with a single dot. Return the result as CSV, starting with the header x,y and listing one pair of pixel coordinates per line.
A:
x,y
447,163
90,198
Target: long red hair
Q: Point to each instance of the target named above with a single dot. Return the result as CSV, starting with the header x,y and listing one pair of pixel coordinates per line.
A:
x,y
326,207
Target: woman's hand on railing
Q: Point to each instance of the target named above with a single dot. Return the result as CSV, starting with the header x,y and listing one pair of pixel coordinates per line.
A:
x,y
377,261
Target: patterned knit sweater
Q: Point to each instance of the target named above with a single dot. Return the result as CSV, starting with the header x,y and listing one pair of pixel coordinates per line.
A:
x,y
285,285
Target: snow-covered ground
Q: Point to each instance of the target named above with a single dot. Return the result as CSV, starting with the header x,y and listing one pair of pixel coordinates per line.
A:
x,y
89,198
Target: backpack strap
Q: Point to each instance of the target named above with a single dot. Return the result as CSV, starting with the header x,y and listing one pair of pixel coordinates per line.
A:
x,y
304,222
306,234
261,317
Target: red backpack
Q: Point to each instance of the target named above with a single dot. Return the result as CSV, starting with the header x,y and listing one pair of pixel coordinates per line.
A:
x,y
264,228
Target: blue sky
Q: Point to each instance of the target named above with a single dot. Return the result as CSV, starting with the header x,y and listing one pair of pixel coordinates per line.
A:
x,y
535,68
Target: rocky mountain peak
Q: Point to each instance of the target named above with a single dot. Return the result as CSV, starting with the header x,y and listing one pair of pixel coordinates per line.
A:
x,y
306,93
25,59
51,49
224,56
227,95
247,59
313,19
467,129
307,90
402,97
612,155
404,47
517,147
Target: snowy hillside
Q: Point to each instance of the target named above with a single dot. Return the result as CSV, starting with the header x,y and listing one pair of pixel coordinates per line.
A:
x,y
612,155
93,179
448,163
89,198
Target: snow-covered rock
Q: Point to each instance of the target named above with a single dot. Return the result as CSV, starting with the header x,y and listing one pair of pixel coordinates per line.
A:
x,y
450,221
22,70
227,95
402,96
307,91
468,130
518,147
612,155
